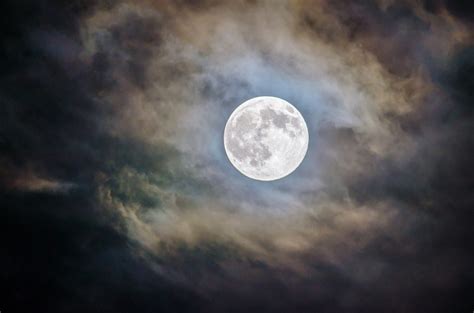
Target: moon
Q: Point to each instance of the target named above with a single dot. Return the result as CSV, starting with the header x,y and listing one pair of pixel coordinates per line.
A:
x,y
266,138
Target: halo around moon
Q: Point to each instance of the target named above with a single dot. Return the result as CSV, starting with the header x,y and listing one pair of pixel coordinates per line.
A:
x,y
266,138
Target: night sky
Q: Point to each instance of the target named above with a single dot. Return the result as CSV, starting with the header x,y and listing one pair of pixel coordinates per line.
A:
x,y
116,194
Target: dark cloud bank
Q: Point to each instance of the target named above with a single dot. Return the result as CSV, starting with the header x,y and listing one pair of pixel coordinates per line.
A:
x,y
116,195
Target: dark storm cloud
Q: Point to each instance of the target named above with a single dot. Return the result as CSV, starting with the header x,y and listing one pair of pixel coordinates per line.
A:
x,y
118,195
58,244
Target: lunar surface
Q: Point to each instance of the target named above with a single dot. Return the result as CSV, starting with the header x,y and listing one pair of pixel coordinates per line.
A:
x,y
266,138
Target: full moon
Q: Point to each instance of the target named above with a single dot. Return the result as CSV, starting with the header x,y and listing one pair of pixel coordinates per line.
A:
x,y
266,138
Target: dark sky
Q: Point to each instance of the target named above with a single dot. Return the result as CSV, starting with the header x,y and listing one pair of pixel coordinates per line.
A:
x,y
116,194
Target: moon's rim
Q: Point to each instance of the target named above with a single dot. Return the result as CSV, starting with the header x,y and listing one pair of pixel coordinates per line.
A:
x,y
243,106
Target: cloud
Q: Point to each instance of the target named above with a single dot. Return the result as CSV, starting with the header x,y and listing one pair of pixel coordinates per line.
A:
x,y
378,210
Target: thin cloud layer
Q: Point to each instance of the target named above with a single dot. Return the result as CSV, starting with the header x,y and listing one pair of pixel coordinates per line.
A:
x,y
132,125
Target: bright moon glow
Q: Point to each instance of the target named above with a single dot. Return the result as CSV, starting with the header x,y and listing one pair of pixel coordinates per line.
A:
x,y
266,138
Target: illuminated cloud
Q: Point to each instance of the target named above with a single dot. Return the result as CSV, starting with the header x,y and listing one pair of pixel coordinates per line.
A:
x,y
380,209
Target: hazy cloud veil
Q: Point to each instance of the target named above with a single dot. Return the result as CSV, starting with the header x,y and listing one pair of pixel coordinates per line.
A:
x,y
376,218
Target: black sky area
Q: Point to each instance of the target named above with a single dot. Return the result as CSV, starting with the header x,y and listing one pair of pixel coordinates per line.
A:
x,y
64,250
